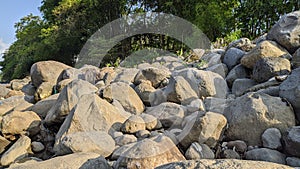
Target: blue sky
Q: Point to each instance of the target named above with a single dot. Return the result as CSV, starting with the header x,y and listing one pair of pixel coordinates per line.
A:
x,y
11,11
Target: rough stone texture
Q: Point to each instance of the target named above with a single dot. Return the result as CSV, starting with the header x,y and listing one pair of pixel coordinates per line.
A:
x,y
244,44
220,69
239,145
238,72
96,163
230,154
223,163
232,57
204,83
28,89
3,91
72,161
202,128
125,139
3,144
18,150
18,122
149,153
9,104
151,122
145,90
264,154
43,91
291,141
179,91
241,85
18,84
260,111
262,50
195,105
91,114
286,31
141,134
296,59
155,75
123,93
37,146
271,139
43,106
158,97
293,161
67,99
290,90
267,68
199,151
126,75
133,124
216,105
169,114
46,71
62,84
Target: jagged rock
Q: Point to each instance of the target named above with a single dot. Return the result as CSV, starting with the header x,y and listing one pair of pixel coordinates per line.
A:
x,y
230,154
18,84
126,75
271,138
9,104
18,150
43,106
202,128
3,144
262,50
151,122
223,163
216,105
293,161
171,62
232,57
28,89
195,105
90,114
286,31
220,69
158,97
145,90
266,68
264,154
125,139
133,124
238,72
243,43
155,75
67,99
296,59
127,97
289,89
37,146
96,163
241,85
210,59
62,84
199,151
3,91
43,91
18,122
260,111
291,141
149,153
238,145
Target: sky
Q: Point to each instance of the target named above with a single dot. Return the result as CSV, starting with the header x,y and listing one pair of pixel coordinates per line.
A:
x,y
11,11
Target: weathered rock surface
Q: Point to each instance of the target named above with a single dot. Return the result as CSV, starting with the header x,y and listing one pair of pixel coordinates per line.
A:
x,y
264,154
155,75
133,124
232,57
199,151
271,138
291,141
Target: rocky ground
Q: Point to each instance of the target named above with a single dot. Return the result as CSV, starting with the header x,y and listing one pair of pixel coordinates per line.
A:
x,y
237,108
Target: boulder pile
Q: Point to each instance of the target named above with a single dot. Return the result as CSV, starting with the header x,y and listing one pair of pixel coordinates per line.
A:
x,y
240,109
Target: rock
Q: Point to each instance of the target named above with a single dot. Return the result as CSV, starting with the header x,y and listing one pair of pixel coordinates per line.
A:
x,y
210,59
18,150
171,62
293,161
169,114
91,114
89,141
286,31
204,83
141,134
151,122
271,139
155,75
195,105
3,91
43,91
202,128
3,144
125,139
220,69
216,105
266,68
291,141
264,154
62,84
230,154
199,151
260,111
272,91
9,104
18,84
37,146
238,145
145,90
240,86
29,89
222,163
46,71
123,93
296,59
262,50
126,75
43,106
133,124
158,97
12,93
72,161
67,99
96,163
290,90
179,91
232,57
243,43
149,153
18,122
238,72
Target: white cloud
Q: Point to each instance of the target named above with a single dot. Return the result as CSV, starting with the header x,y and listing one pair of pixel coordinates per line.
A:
x,y
3,47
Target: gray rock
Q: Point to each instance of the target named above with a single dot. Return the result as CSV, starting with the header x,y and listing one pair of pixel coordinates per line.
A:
x,y
272,91
145,90
216,105
141,134
232,57
199,151
43,106
264,154
37,146
220,69
293,161
125,139
291,141
238,145
296,59
230,154
157,97
271,139
260,111
28,89
267,68
195,105
126,75
133,124
244,44
240,86
211,59
96,163
238,72
286,31
18,84
155,75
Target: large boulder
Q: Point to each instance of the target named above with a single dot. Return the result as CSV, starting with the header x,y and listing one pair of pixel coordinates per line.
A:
x,y
238,72
43,106
286,31
290,90
149,153
146,91
155,75
264,154
291,141
232,57
262,50
260,111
